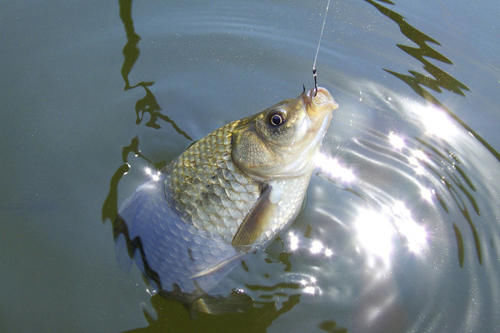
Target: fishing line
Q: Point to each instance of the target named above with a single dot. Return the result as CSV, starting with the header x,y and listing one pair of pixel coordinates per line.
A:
x,y
315,73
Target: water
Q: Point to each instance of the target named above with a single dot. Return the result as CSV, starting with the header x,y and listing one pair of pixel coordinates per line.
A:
x,y
401,228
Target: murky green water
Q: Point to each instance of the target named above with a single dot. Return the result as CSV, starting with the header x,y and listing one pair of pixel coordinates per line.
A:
x,y
401,230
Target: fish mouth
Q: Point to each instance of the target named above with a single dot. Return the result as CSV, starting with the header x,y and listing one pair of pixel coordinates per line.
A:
x,y
318,102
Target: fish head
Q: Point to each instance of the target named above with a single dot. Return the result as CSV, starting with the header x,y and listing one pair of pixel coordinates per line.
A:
x,y
282,140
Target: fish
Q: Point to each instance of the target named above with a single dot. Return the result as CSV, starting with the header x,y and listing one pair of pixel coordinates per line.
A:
x,y
228,194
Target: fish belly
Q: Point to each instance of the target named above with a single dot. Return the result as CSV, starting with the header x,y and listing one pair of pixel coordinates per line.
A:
x,y
172,253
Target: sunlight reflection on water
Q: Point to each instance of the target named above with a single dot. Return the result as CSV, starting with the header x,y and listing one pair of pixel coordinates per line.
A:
x,y
434,120
155,176
333,169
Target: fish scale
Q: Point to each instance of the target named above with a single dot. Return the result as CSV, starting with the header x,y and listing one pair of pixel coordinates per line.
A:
x,y
164,238
205,184
217,196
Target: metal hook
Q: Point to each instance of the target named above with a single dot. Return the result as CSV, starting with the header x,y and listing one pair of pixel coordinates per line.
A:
x,y
315,77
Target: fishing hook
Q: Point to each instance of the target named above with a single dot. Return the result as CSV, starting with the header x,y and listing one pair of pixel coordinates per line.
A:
x,y
315,77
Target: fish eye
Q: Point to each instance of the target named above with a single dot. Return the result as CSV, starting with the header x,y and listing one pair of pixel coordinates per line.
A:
x,y
276,118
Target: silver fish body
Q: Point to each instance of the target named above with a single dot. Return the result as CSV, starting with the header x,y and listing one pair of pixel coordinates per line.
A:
x,y
170,252
230,192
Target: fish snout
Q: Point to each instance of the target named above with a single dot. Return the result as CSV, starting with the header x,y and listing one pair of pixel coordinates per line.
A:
x,y
319,101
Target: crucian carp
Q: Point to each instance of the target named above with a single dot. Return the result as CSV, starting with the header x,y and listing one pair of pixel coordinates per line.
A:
x,y
228,193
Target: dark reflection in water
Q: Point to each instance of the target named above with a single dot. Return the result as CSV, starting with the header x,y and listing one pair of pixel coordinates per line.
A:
x,y
418,81
147,104
440,77
331,326
110,206
460,245
172,315
131,52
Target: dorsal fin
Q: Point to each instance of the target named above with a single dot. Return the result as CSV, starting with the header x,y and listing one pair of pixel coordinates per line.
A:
x,y
257,220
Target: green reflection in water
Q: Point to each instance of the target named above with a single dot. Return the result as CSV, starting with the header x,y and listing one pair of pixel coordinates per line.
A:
x,y
418,81
331,327
460,243
147,104
131,52
174,317
110,206
439,79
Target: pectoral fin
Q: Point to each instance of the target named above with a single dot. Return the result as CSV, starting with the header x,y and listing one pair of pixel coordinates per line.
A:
x,y
257,220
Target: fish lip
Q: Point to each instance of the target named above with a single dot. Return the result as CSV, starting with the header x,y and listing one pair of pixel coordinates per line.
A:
x,y
318,102
307,96
319,97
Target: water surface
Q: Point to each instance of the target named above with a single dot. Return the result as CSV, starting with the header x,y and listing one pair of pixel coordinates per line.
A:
x,y
400,231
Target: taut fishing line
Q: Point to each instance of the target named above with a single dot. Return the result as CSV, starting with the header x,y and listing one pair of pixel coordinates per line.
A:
x,y
315,73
